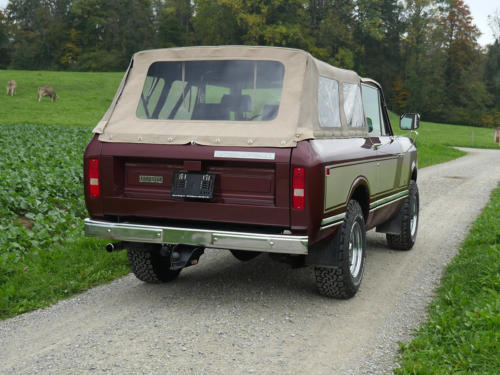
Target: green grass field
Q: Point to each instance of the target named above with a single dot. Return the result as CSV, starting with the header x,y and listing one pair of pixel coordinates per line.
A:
x,y
83,97
462,333
435,141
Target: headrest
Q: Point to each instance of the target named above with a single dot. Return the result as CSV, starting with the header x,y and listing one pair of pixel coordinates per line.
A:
x,y
237,103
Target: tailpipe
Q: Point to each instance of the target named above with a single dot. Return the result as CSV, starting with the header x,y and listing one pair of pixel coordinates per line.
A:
x,y
112,247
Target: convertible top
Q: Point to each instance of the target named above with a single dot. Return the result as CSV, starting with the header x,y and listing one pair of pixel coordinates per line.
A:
x,y
296,120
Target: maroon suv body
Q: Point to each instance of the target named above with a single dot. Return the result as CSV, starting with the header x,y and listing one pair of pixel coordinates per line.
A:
x,y
249,149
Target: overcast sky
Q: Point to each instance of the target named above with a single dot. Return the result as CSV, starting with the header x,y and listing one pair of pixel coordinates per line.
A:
x,y
480,10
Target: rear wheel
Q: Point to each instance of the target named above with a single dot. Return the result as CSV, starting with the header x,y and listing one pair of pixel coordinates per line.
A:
x,y
244,255
343,281
149,265
409,221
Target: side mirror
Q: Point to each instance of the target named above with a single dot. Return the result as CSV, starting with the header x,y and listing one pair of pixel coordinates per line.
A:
x,y
370,124
409,121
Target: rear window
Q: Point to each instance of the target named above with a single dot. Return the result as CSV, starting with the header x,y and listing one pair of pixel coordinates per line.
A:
x,y
215,90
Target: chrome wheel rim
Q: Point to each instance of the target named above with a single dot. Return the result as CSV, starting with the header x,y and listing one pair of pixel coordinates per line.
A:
x,y
414,218
355,250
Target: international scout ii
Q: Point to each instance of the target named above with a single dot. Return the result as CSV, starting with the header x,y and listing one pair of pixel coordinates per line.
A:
x,y
249,149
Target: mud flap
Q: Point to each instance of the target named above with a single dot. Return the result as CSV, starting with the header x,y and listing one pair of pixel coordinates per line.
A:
x,y
325,253
391,226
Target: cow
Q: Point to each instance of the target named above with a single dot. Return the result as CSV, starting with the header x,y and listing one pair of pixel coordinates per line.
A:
x,y
11,88
47,91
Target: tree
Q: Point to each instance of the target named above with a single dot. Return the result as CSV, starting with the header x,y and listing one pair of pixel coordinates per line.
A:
x,y
422,71
466,93
254,22
215,23
108,32
173,24
337,42
40,29
4,42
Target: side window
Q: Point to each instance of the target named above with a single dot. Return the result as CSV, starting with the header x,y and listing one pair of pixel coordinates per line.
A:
x,y
371,102
328,102
353,107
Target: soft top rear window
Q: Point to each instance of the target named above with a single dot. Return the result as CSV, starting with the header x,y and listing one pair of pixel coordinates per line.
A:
x,y
213,90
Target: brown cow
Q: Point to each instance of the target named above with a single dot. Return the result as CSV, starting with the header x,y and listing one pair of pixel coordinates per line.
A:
x,y
11,88
47,91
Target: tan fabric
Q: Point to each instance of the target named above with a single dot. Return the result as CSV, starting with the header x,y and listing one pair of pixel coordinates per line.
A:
x,y
297,119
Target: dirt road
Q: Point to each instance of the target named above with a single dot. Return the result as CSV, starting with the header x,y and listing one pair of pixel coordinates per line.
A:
x,y
227,317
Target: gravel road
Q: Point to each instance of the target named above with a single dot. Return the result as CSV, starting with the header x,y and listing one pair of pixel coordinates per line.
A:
x,y
259,317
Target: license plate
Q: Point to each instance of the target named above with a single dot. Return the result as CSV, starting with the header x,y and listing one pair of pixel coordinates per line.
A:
x,y
193,185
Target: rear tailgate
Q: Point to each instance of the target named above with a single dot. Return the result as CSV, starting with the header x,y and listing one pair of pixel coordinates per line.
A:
x,y
251,184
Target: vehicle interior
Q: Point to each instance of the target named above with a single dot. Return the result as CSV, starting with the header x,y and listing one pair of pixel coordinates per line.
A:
x,y
214,90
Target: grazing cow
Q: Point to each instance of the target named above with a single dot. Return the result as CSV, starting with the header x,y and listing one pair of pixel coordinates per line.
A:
x,y
11,88
496,135
47,91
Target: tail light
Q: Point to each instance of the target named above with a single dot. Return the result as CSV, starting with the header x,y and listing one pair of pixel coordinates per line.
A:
x,y
94,179
298,187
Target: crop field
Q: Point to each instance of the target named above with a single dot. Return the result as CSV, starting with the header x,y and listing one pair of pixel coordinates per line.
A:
x,y
43,256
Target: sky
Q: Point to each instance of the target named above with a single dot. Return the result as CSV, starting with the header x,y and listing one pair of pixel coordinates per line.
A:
x,y
480,10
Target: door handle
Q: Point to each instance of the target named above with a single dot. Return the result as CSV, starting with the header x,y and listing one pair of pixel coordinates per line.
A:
x,y
376,145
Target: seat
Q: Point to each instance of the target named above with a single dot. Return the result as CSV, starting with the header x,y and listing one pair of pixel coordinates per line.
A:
x,y
210,111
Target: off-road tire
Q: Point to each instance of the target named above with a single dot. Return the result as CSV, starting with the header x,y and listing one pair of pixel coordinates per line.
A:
x,y
406,239
337,281
244,255
149,265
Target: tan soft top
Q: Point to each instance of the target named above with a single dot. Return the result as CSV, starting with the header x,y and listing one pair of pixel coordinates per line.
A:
x,y
297,118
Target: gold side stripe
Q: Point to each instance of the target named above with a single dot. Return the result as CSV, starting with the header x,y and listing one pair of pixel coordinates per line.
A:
x,y
333,219
337,219
380,202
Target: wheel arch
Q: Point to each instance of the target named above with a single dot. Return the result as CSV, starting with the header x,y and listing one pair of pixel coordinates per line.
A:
x,y
360,191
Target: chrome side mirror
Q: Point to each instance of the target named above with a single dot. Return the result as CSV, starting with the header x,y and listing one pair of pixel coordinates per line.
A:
x,y
409,121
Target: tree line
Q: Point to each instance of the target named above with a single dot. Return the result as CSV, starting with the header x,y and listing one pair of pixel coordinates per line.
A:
x,y
424,52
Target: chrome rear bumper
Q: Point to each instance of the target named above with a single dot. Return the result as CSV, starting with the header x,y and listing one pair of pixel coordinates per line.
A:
x,y
272,243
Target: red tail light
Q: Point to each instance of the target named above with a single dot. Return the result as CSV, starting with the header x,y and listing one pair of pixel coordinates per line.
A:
x,y
94,179
299,188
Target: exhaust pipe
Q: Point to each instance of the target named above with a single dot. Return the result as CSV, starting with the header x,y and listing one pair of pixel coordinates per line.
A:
x,y
111,247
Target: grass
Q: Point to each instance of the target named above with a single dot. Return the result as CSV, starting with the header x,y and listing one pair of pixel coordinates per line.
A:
x,y
435,141
83,97
42,277
462,334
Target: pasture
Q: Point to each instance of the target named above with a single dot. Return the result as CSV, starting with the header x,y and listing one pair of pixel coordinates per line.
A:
x,y
82,97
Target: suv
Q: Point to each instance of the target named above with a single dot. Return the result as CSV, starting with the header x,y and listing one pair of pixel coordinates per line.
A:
x,y
249,149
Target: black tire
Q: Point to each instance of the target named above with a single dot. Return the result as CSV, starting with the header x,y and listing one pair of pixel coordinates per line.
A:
x,y
244,255
149,265
409,221
349,243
